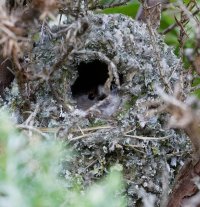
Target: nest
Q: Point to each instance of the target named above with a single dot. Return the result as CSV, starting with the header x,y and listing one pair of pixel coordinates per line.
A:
x,y
97,99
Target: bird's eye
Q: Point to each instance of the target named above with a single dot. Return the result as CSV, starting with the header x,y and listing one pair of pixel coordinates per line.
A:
x,y
91,96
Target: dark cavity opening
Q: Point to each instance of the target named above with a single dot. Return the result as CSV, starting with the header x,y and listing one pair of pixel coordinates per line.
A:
x,y
91,78
88,88
91,75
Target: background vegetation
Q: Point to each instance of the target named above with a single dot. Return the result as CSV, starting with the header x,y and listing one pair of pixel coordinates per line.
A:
x,y
31,162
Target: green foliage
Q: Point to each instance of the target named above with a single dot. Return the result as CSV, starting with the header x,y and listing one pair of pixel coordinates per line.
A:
x,y
172,37
197,93
29,168
105,2
102,194
166,21
129,9
196,82
27,177
187,1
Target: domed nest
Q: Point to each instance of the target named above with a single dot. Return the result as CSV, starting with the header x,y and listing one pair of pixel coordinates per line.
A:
x,y
98,98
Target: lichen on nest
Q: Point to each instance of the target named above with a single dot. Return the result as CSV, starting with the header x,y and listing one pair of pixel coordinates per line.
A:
x,y
129,58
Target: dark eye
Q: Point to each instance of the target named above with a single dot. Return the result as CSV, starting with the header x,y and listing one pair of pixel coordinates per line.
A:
x,y
91,95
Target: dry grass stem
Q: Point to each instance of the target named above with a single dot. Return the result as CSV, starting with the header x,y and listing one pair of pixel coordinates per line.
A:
x,y
134,147
34,129
148,138
81,136
185,117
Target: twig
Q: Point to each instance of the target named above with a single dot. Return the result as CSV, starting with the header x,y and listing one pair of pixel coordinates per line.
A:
x,y
92,163
32,115
134,148
52,130
32,129
110,5
185,117
59,99
180,153
158,58
171,27
80,130
148,138
81,136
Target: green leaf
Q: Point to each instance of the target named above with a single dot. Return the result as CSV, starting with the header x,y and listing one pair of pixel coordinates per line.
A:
x,y
196,82
129,9
197,93
29,169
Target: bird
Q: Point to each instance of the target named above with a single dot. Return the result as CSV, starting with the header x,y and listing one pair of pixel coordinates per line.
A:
x,y
98,101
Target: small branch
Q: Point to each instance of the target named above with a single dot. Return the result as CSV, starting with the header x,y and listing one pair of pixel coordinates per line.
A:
x,y
148,138
158,58
32,115
52,130
134,147
185,117
110,5
150,11
81,136
34,129
173,26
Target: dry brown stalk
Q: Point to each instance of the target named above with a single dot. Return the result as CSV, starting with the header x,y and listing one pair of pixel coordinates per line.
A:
x,y
185,116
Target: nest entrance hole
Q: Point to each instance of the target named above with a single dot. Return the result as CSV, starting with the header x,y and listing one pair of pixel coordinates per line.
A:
x,y
91,78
